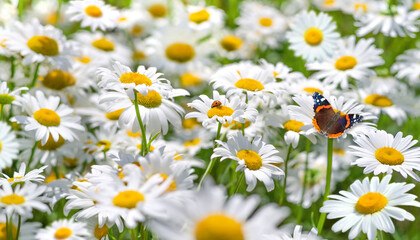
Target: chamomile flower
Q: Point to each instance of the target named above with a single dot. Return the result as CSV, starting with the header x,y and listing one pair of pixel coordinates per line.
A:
x,y
328,5
370,206
33,176
211,215
407,66
48,117
312,36
204,18
304,86
232,45
350,60
39,43
256,159
9,146
63,229
93,13
381,152
227,111
280,71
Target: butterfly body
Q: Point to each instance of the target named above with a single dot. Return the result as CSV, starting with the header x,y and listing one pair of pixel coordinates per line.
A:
x,y
329,122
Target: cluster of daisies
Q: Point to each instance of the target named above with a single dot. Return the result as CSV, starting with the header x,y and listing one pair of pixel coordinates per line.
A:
x,y
180,120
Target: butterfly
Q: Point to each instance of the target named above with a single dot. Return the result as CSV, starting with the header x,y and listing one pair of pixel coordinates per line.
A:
x,y
328,122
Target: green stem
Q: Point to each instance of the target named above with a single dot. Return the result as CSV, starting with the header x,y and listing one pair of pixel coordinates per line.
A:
x,y
238,185
35,75
212,161
32,154
20,7
7,227
283,191
57,21
18,227
10,230
1,112
144,149
12,67
305,180
327,183
133,234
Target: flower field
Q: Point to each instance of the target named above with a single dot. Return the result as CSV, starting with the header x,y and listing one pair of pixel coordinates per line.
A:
x,y
209,119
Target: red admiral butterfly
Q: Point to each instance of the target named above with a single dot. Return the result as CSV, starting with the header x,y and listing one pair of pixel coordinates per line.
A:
x,y
328,122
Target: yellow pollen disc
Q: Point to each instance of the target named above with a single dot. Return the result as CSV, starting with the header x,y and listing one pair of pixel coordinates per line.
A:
x,y
70,162
237,125
189,79
363,6
389,156
329,2
128,199
1,146
152,100
2,42
136,30
100,232
266,22
157,10
231,43
190,123
218,226
93,11
133,135
180,52
138,55
345,63
313,36
51,145
339,151
312,90
53,177
416,6
378,100
172,186
12,199
13,179
200,16
192,142
253,161
249,84
43,45
220,111
4,234
293,125
58,80
83,59
63,233
115,115
136,78
104,144
177,157
103,44
122,19
47,117
371,202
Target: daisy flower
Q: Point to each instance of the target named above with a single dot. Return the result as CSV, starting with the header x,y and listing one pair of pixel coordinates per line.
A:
x,y
304,86
407,66
39,43
48,117
380,152
312,36
350,60
328,5
256,159
93,13
158,9
204,18
370,206
9,146
211,215
228,110
232,45
280,71
33,176
63,229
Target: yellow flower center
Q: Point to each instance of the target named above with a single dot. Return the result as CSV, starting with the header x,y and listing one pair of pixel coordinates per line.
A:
x,y
136,78
172,186
231,43
200,16
51,145
58,80
416,6
329,2
53,177
104,45
83,59
389,156
1,146
313,36
339,151
152,100
312,90
218,226
371,202
63,233
180,52
115,115
70,162
6,99
136,30
13,179
133,135
253,161
2,42
293,125
345,63
3,231
138,55
157,10
189,79
93,11
43,45
192,142
128,199
47,117
362,6
100,232
249,84
237,125
190,123
378,100
104,145
220,111
12,199
266,22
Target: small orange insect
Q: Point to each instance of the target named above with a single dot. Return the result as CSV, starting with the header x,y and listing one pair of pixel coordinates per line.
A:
x,y
216,103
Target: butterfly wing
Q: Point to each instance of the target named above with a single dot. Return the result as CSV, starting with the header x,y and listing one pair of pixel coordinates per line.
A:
x,y
323,112
343,122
